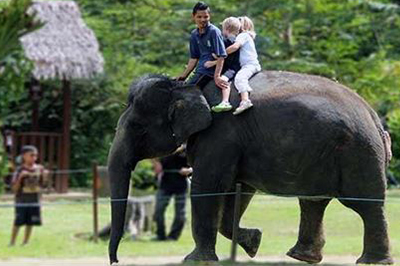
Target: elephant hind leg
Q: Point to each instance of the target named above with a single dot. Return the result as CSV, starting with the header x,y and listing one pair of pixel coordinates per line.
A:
x,y
248,238
363,179
376,240
311,236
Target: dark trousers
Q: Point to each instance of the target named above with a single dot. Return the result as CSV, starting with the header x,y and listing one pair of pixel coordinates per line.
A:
x,y
162,200
200,80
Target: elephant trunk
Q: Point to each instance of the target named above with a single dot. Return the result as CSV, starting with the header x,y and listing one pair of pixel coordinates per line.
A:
x,y
120,166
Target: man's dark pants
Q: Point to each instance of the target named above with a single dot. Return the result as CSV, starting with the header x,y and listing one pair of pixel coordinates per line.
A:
x,y
162,200
200,80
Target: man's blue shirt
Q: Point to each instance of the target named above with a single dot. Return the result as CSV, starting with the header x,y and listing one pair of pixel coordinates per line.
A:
x,y
202,46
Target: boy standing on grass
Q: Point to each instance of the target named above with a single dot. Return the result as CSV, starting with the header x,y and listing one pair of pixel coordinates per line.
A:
x,y
26,184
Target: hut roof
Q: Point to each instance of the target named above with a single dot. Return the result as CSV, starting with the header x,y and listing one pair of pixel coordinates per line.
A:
x,y
64,48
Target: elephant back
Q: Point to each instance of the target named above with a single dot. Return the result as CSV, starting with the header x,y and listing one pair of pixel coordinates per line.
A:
x,y
299,98
274,85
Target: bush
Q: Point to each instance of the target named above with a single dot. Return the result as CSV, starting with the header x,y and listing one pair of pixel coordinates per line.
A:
x,y
394,127
143,178
3,164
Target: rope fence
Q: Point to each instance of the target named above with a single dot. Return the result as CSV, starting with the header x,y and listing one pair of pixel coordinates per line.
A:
x,y
108,200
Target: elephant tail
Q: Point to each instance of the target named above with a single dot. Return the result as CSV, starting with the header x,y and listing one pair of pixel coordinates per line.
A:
x,y
387,142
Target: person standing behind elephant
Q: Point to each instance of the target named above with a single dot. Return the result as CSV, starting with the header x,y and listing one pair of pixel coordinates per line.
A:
x,y
205,40
248,60
172,172
26,183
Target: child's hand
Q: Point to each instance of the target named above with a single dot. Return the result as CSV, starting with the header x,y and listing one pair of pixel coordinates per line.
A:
x,y
222,84
209,64
23,174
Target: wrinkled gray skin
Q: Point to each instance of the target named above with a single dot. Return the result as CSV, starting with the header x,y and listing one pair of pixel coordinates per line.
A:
x,y
305,135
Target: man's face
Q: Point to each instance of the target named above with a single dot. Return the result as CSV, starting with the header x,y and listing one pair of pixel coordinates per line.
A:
x,y
201,18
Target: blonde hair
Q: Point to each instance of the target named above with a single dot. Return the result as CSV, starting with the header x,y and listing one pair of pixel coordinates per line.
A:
x,y
232,25
247,26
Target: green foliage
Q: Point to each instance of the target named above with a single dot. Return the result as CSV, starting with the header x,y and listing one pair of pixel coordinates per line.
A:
x,y
15,23
14,67
394,125
95,112
96,107
3,165
354,42
143,177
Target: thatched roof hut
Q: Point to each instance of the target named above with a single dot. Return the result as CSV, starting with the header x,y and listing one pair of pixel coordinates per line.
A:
x,y
65,48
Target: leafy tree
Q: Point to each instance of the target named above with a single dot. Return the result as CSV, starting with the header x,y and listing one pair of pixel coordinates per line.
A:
x,y
15,22
354,42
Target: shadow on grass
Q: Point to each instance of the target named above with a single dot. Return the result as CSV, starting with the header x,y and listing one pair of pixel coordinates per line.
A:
x,y
253,263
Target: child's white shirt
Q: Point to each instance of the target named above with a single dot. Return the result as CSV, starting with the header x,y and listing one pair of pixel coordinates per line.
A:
x,y
248,53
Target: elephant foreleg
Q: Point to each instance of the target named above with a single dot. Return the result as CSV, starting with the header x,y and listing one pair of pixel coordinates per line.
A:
x,y
311,236
248,238
209,182
205,220
214,172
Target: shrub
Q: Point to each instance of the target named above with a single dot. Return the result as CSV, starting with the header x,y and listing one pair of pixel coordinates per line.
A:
x,y
143,177
394,127
3,164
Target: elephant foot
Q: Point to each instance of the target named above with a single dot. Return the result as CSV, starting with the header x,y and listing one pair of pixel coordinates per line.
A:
x,y
300,252
374,259
204,256
250,241
113,259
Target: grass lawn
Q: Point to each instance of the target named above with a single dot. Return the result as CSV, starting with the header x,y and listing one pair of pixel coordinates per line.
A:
x,y
277,217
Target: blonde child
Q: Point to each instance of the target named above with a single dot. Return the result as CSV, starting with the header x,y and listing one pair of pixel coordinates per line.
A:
x,y
230,29
248,61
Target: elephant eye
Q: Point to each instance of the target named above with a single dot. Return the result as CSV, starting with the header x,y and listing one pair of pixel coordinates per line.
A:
x,y
138,129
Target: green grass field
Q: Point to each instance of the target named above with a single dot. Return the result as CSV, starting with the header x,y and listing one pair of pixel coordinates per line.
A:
x,y
277,217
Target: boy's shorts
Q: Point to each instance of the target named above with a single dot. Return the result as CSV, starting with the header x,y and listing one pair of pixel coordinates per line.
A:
x,y
27,215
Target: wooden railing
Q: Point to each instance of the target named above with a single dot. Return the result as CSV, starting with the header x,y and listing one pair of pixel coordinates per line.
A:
x,y
50,151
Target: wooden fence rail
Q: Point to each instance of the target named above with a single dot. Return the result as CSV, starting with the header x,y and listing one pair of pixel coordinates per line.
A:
x,y
50,149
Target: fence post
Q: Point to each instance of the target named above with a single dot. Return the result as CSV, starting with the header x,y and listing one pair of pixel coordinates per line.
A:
x,y
236,222
95,206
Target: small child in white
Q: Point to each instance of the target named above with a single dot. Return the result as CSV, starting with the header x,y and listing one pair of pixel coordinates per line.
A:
x,y
248,62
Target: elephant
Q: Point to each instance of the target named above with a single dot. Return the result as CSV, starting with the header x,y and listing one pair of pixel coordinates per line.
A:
x,y
306,135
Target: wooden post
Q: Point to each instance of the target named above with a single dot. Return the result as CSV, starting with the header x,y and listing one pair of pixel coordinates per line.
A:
x,y
66,142
236,221
95,206
36,94
35,116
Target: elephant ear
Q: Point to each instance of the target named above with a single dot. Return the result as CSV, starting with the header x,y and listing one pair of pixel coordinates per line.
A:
x,y
188,112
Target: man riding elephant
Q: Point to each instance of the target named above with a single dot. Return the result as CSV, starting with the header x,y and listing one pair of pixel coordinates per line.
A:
x,y
205,41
